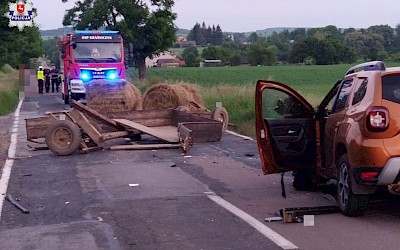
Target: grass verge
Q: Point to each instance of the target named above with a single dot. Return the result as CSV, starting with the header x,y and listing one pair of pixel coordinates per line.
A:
x,y
8,89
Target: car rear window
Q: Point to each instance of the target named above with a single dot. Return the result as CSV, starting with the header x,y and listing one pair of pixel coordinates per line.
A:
x,y
391,88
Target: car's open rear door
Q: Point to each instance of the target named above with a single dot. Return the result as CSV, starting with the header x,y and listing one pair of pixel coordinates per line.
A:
x,y
285,128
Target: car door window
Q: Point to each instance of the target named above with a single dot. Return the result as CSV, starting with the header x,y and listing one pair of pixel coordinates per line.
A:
x,y
279,105
360,90
343,96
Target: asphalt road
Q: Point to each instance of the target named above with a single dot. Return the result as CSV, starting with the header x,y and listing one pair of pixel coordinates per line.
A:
x,y
166,200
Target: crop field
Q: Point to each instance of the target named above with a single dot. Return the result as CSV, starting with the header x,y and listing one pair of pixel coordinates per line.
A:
x,y
302,78
235,86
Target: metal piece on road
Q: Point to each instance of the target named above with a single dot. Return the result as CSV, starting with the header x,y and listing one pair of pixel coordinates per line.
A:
x,y
291,215
16,204
274,218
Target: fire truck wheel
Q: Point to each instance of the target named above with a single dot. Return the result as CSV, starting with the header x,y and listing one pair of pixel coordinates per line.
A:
x,y
66,99
221,114
63,137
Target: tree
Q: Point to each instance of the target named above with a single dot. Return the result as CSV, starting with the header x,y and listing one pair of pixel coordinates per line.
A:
x,y
261,54
51,51
253,38
191,56
216,53
218,36
147,25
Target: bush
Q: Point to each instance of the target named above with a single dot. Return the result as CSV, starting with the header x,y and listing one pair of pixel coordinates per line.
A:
x,y
309,60
7,69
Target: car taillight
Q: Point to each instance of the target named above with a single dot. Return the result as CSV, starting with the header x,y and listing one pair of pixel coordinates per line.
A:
x,y
377,119
369,175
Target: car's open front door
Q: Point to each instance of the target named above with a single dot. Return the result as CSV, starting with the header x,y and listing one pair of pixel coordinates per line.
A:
x,y
285,128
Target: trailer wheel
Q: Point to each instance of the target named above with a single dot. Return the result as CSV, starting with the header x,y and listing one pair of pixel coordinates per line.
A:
x,y
63,137
221,114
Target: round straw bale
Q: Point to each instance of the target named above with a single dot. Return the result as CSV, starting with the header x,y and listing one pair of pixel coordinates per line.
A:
x,y
194,90
112,96
164,96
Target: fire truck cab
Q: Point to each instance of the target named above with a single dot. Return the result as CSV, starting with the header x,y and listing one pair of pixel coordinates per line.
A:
x,y
90,55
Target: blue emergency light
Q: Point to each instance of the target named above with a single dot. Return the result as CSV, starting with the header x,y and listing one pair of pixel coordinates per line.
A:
x,y
85,75
111,75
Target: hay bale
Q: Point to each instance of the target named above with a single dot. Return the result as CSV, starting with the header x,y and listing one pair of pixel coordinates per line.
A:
x,y
106,96
195,91
165,96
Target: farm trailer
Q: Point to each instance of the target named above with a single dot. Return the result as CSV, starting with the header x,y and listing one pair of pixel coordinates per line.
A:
x,y
83,128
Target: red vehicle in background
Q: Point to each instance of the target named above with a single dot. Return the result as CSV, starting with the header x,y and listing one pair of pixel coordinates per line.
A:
x,y
90,55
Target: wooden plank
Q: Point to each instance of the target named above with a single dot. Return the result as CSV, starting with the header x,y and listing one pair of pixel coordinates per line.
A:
x,y
164,133
114,135
94,114
144,147
149,118
88,128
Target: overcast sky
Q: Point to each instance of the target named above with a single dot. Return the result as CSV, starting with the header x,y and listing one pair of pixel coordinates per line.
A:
x,y
250,15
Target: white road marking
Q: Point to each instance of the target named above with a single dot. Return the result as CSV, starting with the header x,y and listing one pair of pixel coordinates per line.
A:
x,y
239,135
5,176
263,229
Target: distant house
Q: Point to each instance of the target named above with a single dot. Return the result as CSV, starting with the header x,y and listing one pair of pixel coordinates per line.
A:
x,y
152,62
210,63
168,63
180,38
185,44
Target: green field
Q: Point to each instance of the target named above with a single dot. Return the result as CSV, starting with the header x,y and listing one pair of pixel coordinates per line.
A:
x,y
235,86
306,79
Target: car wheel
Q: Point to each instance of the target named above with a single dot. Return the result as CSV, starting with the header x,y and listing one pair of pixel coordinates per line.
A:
x,y
63,137
350,204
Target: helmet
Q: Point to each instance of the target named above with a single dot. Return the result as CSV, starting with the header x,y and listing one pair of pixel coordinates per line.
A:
x,y
40,67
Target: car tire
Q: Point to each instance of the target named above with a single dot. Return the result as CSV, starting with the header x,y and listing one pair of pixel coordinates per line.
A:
x,y
350,204
63,137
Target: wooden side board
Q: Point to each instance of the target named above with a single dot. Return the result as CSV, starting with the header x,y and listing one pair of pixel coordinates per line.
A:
x,y
159,132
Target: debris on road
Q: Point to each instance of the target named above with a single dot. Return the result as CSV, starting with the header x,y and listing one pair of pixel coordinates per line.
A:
x,y
16,204
302,214
133,185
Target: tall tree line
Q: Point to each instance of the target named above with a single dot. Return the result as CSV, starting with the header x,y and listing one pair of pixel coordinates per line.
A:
x,y
204,35
17,47
325,45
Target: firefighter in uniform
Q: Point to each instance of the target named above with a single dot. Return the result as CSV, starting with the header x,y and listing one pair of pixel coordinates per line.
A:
x,y
40,77
47,79
55,75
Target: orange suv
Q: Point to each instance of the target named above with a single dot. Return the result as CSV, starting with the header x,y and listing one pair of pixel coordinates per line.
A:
x,y
353,136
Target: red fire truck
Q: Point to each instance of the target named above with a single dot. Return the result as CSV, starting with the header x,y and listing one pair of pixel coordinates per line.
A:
x,y
90,55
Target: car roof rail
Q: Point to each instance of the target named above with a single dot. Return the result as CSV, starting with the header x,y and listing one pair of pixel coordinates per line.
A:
x,y
368,66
